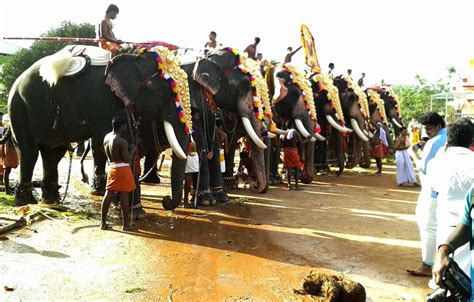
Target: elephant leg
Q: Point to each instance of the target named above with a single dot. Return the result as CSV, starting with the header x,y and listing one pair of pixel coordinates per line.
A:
x,y
177,178
204,194
266,158
50,187
150,168
28,152
99,181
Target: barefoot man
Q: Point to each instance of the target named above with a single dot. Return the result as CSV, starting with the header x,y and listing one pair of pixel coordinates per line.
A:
x,y
120,178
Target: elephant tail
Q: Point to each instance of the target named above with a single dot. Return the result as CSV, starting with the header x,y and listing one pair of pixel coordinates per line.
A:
x,y
85,177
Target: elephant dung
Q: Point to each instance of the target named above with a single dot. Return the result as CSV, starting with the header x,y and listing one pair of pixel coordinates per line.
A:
x,y
332,287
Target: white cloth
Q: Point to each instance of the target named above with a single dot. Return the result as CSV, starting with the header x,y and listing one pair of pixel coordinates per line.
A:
x,y
222,160
118,165
405,172
451,175
383,136
426,221
192,164
290,134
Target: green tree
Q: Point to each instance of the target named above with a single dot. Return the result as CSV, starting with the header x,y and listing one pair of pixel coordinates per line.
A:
x,y
22,60
415,100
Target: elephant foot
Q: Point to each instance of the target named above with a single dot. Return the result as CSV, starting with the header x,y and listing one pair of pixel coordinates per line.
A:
x,y
50,193
24,195
230,183
169,204
220,195
364,165
152,178
205,198
98,185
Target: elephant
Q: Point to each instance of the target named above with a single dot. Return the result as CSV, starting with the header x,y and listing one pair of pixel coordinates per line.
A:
x,y
47,118
229,89
392,108
332,122
292,106
356,116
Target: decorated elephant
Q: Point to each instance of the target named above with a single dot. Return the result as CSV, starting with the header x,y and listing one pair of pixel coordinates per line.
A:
x,y
392,108
47,116
226,84
356,113
295,102
332,122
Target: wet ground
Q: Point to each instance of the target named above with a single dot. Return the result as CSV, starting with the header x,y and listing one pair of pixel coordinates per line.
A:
x,y
256,248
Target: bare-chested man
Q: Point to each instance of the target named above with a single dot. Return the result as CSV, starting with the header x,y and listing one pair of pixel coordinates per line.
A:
x,y
111,43
251,50
120,178
290,53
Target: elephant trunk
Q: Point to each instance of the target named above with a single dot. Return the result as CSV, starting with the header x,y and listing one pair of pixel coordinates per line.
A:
x,y
308,169
173,141
339,151
258,159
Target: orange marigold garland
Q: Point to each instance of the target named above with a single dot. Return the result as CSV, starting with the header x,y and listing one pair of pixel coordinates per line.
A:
x,y
362,97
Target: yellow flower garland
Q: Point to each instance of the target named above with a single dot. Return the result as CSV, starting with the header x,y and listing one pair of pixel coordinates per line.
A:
x,y
326,83
363,103
171,69
261,87
299,78
374,98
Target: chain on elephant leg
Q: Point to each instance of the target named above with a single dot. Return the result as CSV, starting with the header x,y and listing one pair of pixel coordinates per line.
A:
x,y
219,194
50,192
24,195
98,185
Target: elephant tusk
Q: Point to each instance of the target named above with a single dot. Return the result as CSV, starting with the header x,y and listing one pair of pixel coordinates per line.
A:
x,y
251,132
319,137
301,128
171,136
271,135
336,125
396,123
370,134
312,139
358,131
280,131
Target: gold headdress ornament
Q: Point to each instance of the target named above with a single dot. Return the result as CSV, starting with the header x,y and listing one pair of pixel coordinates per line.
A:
x,y
300,80
374,98
363,103
391,93
177,78
261,87
307,41
326,83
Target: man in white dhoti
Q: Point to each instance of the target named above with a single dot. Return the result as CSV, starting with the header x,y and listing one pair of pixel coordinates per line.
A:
x,y
451,176
434,126
405,172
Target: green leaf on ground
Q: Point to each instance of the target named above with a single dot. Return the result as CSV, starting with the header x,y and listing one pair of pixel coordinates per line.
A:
x,y
135,290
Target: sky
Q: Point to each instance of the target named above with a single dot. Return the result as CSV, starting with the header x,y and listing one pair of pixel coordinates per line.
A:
x,y
389,40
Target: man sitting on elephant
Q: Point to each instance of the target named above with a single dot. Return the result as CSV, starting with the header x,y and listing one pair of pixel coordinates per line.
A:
x,y
120,178
108,39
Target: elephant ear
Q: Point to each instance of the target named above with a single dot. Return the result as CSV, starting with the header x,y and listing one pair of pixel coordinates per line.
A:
x,y
208,75
123,76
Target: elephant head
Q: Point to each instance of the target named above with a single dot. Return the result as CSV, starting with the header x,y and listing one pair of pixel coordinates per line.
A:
x,y
392,107
135,80
352,109
378,115
219,73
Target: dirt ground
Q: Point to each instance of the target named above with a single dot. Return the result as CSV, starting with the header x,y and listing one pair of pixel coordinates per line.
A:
x,y
256,248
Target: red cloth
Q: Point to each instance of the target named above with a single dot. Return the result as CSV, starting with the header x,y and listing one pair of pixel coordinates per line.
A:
x,y
110,46
9,155
120,180
291,158
379,151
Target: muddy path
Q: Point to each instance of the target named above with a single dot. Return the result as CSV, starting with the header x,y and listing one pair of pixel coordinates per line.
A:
x,y
256,248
